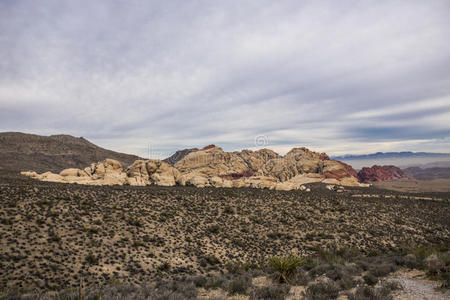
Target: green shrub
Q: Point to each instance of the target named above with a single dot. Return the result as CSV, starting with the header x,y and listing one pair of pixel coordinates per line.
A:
x,y
286,267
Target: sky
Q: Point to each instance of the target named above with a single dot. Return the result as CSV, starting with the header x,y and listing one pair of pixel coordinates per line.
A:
x,y
344,77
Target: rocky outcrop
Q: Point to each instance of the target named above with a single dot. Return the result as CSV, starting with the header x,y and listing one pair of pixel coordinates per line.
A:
x,y
111,172
263,169
146,172
381,173
211,166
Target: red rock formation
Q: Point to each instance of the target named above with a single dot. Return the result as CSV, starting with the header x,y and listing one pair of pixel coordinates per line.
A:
x,y
347,171
381,173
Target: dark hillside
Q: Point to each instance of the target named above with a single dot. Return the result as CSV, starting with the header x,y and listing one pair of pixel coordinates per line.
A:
x,y
21,151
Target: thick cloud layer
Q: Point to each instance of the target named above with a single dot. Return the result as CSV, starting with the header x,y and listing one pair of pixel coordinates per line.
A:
x,y
337,76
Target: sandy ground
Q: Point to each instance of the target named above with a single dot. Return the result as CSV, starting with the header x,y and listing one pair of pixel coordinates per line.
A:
x,y
415,186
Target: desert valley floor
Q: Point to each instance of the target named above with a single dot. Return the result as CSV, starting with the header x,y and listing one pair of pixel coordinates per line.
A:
x,y
54,236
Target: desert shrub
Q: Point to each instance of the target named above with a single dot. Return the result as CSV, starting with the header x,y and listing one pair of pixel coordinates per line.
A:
x,y
175,289
239,285
370,279
228,210
272,292
92,259
411,261
434,264
383,269
286,267
164,267
321,269
347,283
214,282
301,277
199,281
213,229
365,292
332,256
322,290
135,222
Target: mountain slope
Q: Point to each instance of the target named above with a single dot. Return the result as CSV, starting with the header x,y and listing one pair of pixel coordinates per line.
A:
x,y
21,151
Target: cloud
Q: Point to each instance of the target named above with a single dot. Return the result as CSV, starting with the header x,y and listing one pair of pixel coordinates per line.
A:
x,y
334,76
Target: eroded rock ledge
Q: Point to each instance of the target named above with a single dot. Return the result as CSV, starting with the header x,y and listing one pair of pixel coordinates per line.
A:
x,y
211,166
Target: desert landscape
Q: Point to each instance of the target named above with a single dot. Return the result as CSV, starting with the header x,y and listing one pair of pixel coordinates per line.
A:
x,y
147,232
224,150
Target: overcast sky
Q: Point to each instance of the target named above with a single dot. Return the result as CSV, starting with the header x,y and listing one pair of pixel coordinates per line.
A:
x,y
335,76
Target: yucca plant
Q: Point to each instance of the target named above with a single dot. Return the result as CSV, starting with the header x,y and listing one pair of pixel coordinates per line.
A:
x,y
286,267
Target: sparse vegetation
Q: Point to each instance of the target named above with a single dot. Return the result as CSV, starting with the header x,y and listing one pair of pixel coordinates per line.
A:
x,y
164,243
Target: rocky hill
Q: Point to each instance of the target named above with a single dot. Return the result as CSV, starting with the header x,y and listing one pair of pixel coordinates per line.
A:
x,y
211,166
20,151
381,173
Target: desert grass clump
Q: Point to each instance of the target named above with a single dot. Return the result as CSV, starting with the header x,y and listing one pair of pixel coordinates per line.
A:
x,y
286,267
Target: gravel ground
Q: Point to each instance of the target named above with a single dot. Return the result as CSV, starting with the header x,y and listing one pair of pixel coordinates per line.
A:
x,y
416,286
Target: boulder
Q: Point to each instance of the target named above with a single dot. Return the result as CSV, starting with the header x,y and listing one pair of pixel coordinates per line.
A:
x,y
73,172
286,186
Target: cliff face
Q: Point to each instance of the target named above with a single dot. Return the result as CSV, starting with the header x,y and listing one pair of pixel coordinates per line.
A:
x,y
381,173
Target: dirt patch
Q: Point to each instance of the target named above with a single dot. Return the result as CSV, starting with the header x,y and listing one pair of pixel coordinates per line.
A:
x,y
415,285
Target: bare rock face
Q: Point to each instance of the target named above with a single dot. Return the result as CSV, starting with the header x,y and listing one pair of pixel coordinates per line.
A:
x,y
211,161
146,172
295,162
211,166
255,160
381,173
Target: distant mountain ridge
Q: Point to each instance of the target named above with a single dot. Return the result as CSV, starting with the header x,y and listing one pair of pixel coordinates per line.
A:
x,y
22,151
400,159
403,154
